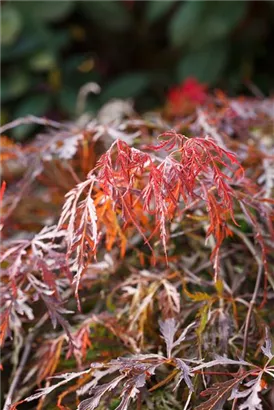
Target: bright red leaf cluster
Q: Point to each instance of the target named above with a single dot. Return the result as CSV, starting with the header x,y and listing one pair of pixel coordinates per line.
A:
x,y
186,96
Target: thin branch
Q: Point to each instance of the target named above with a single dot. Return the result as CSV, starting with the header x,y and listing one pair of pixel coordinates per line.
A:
x,y
254,89
23,361
19,370
83,93
208,129
72,172
248,244
250,309
254,253
31,119
188,400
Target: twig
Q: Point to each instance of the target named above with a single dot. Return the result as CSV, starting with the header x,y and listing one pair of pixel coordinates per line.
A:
x,y
188,400
72,172
254,253
234,404
83,93
19,370
23,361
254,89
248,244
31,119
251,305
208,129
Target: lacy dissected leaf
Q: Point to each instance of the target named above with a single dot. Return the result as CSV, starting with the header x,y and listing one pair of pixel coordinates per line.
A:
x,y
198,296
81,234
169,299
48,357
54,306
130,390
219,393
267,349
185,374
66,378
141,291
119,176
134,373
108,222
32,264
98,392
252,400
168,329
140,311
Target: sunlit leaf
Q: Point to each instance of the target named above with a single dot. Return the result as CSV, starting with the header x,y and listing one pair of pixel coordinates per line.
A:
x,y
127,86
11,24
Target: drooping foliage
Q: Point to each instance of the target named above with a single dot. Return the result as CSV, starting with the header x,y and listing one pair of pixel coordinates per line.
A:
x,y
137,259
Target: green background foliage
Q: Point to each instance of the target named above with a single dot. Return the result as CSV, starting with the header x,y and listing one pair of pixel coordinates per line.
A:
x,y
132,49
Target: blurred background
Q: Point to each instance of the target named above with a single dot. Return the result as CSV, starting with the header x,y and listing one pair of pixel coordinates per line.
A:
x,y
132,49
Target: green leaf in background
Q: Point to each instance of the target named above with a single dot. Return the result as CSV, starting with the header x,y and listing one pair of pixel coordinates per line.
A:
x,y
126,86
44,60
73,78
30,105
28,43
157,9
186,21
11,24
67,100
25,46
206,65
112,15
220,18
14,85
50,11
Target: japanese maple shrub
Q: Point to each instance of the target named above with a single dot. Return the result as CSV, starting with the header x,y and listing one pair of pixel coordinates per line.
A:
x,y
137,259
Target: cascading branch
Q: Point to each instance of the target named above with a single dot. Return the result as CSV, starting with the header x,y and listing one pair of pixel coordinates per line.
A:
x,y
136,189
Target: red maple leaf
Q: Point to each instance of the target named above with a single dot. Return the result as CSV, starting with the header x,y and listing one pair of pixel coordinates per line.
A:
x,y
186,96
